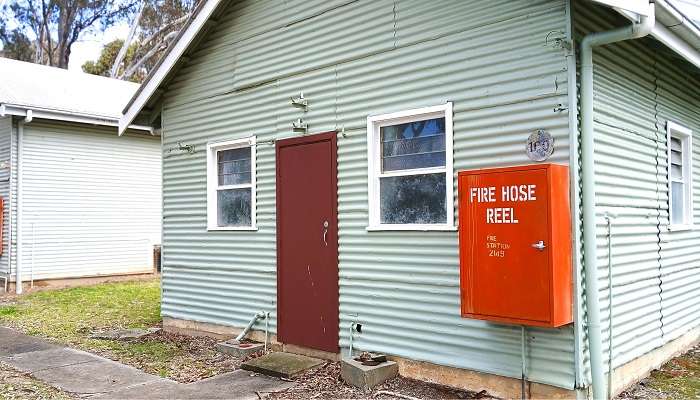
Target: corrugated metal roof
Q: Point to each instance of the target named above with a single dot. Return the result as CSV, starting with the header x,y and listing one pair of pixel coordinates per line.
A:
x,y
55,89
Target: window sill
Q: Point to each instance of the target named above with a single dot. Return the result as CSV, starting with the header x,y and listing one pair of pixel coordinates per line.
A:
x,y
232,228
679,227
412,227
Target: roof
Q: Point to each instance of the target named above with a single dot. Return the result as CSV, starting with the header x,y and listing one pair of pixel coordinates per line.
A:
x,y
61,93
673,28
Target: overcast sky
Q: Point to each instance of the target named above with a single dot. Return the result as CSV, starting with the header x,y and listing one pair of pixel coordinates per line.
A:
x,y
90,45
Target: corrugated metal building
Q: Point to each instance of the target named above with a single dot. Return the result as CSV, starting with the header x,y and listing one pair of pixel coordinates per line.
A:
x,y
244,76
79,201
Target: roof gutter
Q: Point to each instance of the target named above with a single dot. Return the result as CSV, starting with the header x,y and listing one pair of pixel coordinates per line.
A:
x,y
59,115
675,30
595,338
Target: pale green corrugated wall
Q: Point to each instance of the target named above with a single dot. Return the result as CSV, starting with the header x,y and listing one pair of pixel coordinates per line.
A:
x,y
639,86
351,60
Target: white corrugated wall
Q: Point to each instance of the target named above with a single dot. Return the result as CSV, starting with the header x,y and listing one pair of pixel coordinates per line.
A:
x,y
351,59
639,86
5,151
91,201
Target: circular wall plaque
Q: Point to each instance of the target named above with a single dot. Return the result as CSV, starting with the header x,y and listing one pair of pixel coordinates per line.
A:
x,y
540,145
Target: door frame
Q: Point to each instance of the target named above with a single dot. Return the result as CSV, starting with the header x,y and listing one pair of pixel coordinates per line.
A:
x,y
330,136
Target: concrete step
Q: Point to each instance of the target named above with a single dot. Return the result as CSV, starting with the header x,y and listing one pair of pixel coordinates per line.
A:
x,y
282,365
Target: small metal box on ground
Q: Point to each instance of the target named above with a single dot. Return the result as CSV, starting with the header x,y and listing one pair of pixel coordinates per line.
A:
x,y
515,245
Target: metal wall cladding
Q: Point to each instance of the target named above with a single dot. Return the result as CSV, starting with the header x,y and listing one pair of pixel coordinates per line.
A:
x,y
639,86
91,201
505,81
5,170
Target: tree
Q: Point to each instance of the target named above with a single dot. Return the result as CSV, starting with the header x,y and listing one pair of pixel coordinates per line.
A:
x,y
16,45
158,23
102,66
57,24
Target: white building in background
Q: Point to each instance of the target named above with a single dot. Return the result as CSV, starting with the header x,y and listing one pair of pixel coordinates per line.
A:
x,y
78,200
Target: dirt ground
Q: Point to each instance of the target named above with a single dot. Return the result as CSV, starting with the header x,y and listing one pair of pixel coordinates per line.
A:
x,y
325,383
677,379
18,385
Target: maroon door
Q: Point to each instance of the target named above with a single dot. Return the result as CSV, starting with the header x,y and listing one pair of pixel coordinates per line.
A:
x,y
307,242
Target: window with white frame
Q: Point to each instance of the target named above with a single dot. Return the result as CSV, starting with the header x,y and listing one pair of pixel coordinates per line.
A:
x,y
231,185
680,191
410,170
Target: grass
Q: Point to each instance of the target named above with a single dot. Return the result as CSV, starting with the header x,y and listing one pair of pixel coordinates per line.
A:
x,y
70,316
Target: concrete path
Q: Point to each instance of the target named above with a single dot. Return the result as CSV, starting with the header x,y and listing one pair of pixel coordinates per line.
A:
x,y
88,375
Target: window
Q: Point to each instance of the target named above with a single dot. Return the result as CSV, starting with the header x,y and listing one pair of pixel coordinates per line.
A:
x,y
231,185
410,170
680,191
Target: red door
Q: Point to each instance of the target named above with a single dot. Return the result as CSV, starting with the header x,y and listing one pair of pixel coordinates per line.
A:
x,y
512,275
307,242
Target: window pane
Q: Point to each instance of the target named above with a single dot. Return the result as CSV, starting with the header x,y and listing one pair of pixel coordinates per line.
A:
x,y
233,166
677,203
416,199
419,144
233,207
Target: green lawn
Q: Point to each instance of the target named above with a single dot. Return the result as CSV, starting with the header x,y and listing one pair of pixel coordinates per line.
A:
x,y
70,316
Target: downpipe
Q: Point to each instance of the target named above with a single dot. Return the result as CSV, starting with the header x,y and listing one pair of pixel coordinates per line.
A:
x,y
20,149
595,341
608,220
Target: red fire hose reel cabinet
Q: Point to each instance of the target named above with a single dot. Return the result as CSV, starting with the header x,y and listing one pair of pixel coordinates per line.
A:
x,y
515,245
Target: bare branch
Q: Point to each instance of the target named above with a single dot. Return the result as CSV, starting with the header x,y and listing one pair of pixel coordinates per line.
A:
x,y
127,42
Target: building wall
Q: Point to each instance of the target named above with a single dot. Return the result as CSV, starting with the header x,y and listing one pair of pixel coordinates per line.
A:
x,y
91,201
5,150
639,86
496,61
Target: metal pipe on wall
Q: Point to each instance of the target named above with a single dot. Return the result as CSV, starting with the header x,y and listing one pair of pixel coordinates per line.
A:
x,y
252,322
20,144
608,218
590,259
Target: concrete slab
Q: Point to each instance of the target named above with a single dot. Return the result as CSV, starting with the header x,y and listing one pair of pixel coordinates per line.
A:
x,y
45,359
124,334
87,374
13,342
239,349
366,377
233,385
155,390
237,384
281,365
94,377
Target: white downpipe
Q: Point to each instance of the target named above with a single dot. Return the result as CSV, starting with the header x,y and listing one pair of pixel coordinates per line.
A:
x,y
31,266
608,219
590,259
20,145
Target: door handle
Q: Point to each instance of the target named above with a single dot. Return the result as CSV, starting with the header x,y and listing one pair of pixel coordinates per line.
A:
x,y
539,245
325,232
